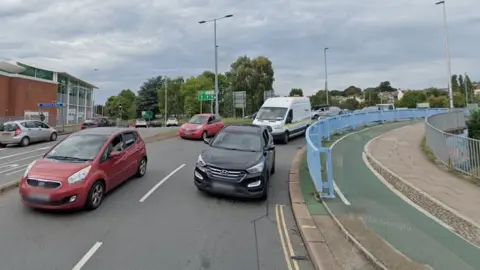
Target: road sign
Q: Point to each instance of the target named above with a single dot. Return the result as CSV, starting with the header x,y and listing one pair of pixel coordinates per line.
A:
x,y
239,99
53,104
206,95
147,114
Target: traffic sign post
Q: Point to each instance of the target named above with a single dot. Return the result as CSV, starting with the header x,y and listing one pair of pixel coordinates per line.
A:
x,y
50,105
147,115
206,95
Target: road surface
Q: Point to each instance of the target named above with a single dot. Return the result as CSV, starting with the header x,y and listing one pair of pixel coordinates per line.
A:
x,y
172,227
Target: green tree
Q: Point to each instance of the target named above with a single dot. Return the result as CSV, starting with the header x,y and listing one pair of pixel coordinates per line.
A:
x,y
122,105
254,76
190,91
438,102
296,92
371,96
435,92
454,83
473,124
411,98
385,87
470,89
458,100
351,104
175,98
148,95
352,91
335,93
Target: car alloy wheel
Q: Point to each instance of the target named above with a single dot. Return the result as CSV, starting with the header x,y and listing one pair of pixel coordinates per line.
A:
x,y
25,141
142,167
204,135
53,137
95,196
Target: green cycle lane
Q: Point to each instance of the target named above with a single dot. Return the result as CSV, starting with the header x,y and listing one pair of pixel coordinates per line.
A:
x,y
411,232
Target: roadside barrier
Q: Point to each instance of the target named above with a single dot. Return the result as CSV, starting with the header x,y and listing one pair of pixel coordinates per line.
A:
x,y
322,130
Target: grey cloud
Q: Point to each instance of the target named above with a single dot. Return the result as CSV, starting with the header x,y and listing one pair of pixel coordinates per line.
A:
x,y
128,42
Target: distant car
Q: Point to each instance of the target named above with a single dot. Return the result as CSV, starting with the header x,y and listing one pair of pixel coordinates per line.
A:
x,y
81,169
239,162
141,123
201,126
96,122
172,122
325,111
24,132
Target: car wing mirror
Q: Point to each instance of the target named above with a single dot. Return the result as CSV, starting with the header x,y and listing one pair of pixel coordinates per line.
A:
x,y
115,154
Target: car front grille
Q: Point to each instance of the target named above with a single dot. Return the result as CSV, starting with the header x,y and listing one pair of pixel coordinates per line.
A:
x,y
43,183
233,175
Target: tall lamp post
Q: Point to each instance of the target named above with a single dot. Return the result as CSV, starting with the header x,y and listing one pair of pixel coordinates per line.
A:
x,y
326,72
216,54
447,53
466,88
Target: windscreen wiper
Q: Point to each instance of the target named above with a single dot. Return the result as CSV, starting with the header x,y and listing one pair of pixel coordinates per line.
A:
x,y
68,158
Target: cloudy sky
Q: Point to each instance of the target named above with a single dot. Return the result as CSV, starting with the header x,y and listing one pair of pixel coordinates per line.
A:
x,y
130,41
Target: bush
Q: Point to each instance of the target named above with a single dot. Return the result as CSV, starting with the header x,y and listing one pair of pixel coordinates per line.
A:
x,y
473,124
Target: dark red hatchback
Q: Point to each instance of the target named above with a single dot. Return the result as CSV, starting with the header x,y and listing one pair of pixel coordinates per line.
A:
x,y
82,168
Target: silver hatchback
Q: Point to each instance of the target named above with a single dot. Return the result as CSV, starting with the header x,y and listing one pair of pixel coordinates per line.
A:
x,y
23,132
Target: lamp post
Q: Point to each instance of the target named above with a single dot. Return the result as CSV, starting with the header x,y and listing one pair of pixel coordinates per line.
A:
x,y
216,54
466,88
447,53
326,73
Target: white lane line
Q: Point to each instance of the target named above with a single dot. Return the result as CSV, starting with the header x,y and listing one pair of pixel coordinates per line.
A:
x,y
17,171
340,194
23,153
87,256
14,161
160,183
13,168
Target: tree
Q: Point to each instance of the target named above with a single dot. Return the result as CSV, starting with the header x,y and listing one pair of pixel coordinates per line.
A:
x,y
438,102
123,105
351,104
296,92
174,96
411,98
352,91
254,76
371,96
470,88
473,124
458,100
385,87
454,83
148,95
435,92
190,91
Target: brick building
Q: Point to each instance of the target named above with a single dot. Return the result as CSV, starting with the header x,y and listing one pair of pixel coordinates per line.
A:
x,y
23,87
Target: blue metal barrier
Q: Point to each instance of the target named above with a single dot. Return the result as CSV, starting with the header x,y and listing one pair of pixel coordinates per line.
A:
x,y
323,129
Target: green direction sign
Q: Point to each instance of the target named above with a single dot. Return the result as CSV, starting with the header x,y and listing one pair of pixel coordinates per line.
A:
x,y
206,95
147,114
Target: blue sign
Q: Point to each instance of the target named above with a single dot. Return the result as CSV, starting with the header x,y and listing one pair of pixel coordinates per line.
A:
x,y
59,104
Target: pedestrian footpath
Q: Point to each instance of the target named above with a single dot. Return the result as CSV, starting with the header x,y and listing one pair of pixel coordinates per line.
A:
x,y
400,151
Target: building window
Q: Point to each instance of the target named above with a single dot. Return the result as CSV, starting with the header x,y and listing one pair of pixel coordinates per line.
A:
x,y
44,74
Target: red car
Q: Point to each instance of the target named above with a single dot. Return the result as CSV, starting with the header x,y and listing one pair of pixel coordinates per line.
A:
x,y
82,168
201,126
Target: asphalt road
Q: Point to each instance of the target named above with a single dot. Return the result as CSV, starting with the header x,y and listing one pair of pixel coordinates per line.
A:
x,y
14,159
171,227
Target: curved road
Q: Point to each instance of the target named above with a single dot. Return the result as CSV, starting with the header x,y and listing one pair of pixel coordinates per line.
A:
x,y
171,227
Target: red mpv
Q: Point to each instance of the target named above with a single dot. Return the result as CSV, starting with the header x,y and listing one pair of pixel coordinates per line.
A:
x,y
82,168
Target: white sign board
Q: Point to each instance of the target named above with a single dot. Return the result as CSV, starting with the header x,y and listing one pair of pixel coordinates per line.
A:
x,y
239,99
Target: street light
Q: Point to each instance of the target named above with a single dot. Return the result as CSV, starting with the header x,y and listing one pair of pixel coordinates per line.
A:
x,y
466,88
216,54
447,53
326,73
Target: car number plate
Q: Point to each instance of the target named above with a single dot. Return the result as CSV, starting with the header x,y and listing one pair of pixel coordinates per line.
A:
x,y
6,134
188,132
39,197
222,186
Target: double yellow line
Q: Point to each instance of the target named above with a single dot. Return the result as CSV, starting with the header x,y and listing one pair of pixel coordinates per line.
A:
x,y
285,238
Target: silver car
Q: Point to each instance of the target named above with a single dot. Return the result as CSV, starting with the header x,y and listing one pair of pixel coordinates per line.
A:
x,y
24,132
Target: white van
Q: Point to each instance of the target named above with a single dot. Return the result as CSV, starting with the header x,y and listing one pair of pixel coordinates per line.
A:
x,y
288,116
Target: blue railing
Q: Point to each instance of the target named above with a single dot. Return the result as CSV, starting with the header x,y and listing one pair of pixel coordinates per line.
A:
x,y
323,129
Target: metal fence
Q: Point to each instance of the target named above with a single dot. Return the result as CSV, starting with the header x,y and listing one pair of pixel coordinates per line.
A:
x,y
322,131
456,151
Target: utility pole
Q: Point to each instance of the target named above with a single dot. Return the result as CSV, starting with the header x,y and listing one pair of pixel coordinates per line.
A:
x,y
447,53
166,96
326,73
466,88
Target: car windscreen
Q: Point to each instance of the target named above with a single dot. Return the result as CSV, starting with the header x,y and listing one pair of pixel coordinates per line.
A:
x,y
78,148
238,140
198,119
8,127
271,113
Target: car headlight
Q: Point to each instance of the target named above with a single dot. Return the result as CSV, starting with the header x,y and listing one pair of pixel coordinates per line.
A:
x,y
29,167
80,175
200,161
256,169
277,126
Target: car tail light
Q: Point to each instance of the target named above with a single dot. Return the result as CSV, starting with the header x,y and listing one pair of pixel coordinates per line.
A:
x,y
17,132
